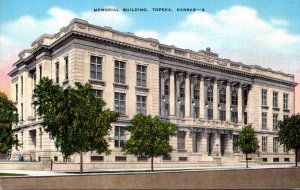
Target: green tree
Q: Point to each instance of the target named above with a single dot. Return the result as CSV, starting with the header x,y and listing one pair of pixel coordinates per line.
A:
x,y
8,117
149,137
247,141
289,133
75,118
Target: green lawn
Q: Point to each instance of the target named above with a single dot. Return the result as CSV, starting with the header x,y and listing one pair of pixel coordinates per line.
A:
x,y
11,174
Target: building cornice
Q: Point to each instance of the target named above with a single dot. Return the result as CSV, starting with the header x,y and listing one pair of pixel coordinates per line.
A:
x,y
79,29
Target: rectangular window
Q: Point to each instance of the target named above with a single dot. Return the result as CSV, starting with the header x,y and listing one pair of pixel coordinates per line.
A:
x,y
264,141
120,72
96,68
196,141
264,120
17,91
275,121
222,115
285,117
57,72
285,149
141,102
119,136
120,103
245,97
98,93
22,112
96,158
209,113
181,140
141,74
275,144
264,97
245,118
41,72
196,112
234,117
21,85
66,68
166,114
275,99
285,101
181,111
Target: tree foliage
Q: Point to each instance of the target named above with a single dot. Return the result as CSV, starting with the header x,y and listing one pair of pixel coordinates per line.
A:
x,y
289,133
75,118
247,141
149,137
8,117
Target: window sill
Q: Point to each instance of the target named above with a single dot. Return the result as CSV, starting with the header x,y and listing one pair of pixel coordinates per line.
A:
x,y
265,107
181,150
142,88
286,110
265,129
97,82
121,85
65,82
276,109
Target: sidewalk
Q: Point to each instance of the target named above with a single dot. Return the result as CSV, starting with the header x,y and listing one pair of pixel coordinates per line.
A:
x,y
143,170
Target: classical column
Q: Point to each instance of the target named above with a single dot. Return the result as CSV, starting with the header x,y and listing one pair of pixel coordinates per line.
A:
x,y
172,94
202,98
228,102
187,98
240,104
215,100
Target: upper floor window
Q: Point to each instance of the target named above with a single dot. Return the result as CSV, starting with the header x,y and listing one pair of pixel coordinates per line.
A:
x,y
275,121
196,93
141,75
245,97
17,91
222,96
119,136
234,98
285,101
120,72
181,89
196,111
275,99
120,103
66,68
234,117
264,141
264,97
209,94
209,113
167,87
264,120
41,71
57,72
21,85
141,102
96,68
222,115
245,118
22,116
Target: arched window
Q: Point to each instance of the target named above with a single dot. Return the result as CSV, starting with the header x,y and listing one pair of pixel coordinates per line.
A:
x,y
222,96
167,87
181,89
209,94
234,98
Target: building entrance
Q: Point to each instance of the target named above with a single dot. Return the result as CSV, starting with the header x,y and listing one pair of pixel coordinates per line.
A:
x,y
222,144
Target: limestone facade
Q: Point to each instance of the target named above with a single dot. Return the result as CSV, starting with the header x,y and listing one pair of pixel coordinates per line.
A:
x,y
208,98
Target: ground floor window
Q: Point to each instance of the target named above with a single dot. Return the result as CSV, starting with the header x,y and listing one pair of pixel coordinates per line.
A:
x,y
181,140
264,144
196,141
119,136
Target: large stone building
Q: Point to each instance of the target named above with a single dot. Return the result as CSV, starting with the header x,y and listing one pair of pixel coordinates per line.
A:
x,y
208,98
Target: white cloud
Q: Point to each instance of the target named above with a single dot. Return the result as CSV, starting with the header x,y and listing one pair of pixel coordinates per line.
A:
x,y
281,22
20,33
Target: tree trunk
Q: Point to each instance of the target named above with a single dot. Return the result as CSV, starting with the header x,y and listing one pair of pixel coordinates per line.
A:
x,y
81,163
151,163
246,160
296,157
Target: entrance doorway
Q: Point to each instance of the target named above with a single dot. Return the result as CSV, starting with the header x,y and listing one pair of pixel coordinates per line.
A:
x,y
209,143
